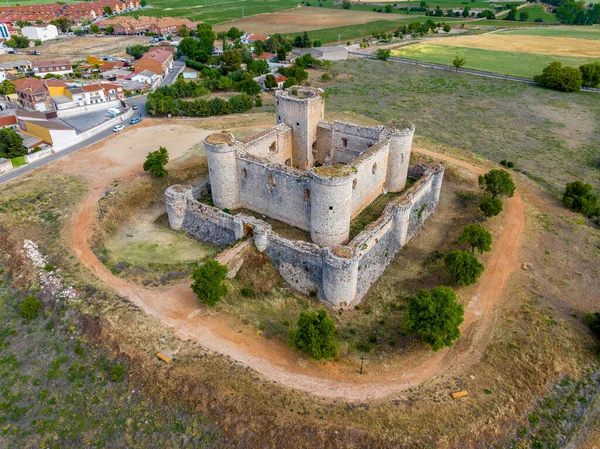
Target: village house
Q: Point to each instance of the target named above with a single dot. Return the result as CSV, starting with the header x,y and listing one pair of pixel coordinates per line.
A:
x,y
40,32
250,38
55,66
156,60
33,94
146,77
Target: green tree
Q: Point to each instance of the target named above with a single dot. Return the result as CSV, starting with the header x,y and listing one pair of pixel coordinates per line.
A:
x,y
206,38
383,54
94,29
466,11
477,237
447,28
208,282
109,30
37,42
582,198
188,46
231,61
156,161
258,48
346,4
281,54
249,87
463,267
143,3
137,51
559,77
512,14
491,206
108,11
590,74
7,88
270,81
62,23
523,16
389,8
314,334
571,13
436,316
497,183
593,321
11,144
234,33
183,31
459,62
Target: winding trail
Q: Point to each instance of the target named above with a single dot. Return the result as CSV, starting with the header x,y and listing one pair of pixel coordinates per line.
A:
x,y
176,307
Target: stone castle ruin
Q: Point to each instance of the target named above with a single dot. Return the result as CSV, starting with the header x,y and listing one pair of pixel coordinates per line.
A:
x,y
314,176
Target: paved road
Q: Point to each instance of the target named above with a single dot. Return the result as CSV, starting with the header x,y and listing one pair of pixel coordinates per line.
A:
x,y
178,66
141,112
467,71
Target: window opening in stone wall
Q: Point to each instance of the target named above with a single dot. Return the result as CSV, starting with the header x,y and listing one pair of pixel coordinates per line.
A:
x,y
306,195
345,142
271,182
288,162
273,147
374,169
297,123
354,183
330,207
244,174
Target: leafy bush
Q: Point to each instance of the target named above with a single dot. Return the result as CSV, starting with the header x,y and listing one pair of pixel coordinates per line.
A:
x,y
581,197
208,282
247,292
30,307
435,315
156,161
11,144
314,335
383,54
557,77
464,267
491,206
590,74
593,321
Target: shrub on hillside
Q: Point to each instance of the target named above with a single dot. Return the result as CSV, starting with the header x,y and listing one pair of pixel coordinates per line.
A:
x,y
314,335
558,77
497,183
491,206
156,161
590,74
208,282
477,237
30,307
582,198
463,267
435,315
593,321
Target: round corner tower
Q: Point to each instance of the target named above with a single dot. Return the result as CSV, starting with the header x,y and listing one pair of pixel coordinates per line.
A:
x,y
401,137
176,198
221,153
340,275
301,108
331,205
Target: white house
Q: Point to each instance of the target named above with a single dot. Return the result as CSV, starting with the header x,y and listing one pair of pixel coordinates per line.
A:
x,y
60,66
145,76
250,38
2,75
41,32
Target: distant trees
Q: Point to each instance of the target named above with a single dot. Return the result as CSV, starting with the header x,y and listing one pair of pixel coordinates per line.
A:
x,y
208,282
459,62
577,13
389,8
590,74
512,13
314,334
143,3
463,267
593,321
11,144
206,38
477,237
155,162
94,29
234,33
383,54
137,51
559,77
346,4
109,30
447,28
270,81
302,41
183,31
436,316
17,42
108,11
231,61
523,16
497,183
62,23
581,197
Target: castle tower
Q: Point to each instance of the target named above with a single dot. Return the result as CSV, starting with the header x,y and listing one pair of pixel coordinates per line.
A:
x,y
331,205
301,109
340,275
221,153
401,137
437,182
401,219
176,198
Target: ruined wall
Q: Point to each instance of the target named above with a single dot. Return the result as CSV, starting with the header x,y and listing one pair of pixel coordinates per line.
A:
x,y
208,224
324,150
273,145
269,190
370,177
354,138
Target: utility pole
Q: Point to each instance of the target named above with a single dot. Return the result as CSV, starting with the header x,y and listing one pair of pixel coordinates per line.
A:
x,y
362,360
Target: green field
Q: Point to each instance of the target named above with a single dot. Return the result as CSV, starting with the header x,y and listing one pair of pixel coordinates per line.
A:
x,y
591,32
537,12
526,65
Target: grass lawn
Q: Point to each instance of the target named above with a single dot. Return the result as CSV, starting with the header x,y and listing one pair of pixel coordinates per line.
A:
x,y
526,65
579,32
18,161
551,136
504,24
537,12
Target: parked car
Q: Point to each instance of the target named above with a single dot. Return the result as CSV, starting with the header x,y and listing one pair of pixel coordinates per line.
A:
x,y
118,128
134,120
135,107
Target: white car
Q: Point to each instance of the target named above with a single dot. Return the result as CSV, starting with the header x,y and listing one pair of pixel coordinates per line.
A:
x,y
118,128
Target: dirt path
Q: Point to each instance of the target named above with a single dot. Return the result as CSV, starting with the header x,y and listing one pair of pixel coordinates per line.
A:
x,y
177,308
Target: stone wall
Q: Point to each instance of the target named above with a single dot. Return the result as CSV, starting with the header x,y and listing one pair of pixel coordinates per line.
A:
x,y
209,224
274,145
370,177
276,191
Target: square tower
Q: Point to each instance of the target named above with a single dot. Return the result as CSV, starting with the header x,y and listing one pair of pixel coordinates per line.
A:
x,y
301,109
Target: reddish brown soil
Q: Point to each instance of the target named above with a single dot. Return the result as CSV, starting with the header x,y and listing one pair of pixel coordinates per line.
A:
x,y
177,308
